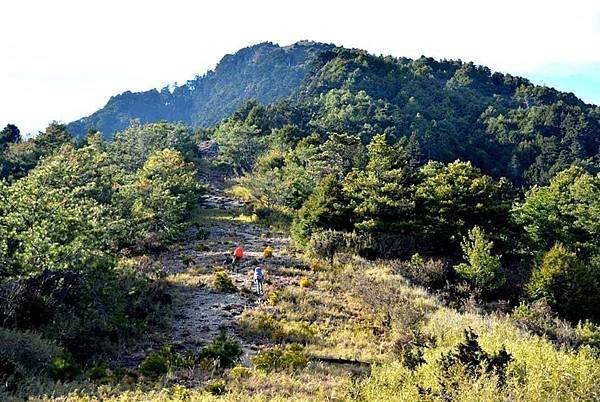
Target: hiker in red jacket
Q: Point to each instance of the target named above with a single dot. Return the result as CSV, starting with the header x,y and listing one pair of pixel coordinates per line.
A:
x,y
238,254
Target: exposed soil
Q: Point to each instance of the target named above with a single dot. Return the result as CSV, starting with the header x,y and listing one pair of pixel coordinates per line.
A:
x,y
200,311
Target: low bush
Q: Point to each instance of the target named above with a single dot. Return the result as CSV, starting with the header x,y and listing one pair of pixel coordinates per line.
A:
x,y
589,333
429,273
24,355
88,313
294,331
164,361
291,357
392,303
154,365
475,361
537,317
30,352
304,282
227,351
327,243
268,252
64,368
239,372
278,218
259,324
100,374
216,387
265,326
223,283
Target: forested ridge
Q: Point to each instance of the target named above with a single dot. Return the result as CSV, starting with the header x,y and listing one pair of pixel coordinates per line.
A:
x,y
428,230
265,72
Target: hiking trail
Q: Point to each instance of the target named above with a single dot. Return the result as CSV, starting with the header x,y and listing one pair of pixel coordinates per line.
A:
x,y
200,312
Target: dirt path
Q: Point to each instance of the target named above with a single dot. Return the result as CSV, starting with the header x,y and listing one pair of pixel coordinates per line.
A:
x,y
202,311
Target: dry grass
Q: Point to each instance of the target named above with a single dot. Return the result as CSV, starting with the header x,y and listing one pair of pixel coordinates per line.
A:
x,y
359,311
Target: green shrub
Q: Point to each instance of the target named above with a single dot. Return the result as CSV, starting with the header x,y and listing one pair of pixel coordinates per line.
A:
x,y
482,268
163,361
224,349
216,387
474,360
100,374
126,375
259,324
568,285
28,352
291,357
429,273
239,372
589,333
304,282
89,312
223,283
297,332
64,368
327,243
537,317
154,365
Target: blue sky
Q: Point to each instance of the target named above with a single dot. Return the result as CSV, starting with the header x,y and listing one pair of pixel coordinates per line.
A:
x,y
63,59
582,80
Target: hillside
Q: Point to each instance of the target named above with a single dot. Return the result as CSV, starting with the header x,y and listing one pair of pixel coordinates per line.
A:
x,y
265,72
447,110
352,329
425,230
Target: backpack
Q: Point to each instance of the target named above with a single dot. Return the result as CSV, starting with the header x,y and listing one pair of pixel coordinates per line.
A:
x,y
258,273
238,252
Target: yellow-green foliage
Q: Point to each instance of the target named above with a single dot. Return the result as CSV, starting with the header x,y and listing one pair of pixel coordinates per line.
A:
x,y
342,316
243,218
268,252
304,282
538,372
222,282
589,334
239,372
272,298
289,358
260,324
241,193
216,387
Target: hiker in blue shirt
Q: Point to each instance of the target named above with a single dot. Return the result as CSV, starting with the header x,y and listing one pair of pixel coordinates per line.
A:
x,y
259,278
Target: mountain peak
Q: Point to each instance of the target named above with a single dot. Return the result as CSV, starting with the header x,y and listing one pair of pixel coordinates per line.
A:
x,y
265,71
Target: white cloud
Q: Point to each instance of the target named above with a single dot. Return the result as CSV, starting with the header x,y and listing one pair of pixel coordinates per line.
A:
x,y
62,59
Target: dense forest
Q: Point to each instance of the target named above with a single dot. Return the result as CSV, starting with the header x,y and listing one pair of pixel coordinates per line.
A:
x,y
443,217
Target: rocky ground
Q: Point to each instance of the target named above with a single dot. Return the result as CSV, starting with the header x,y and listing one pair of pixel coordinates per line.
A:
x,y
202,312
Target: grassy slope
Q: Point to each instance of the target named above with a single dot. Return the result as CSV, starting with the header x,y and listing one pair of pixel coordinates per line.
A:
x,y
340,314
